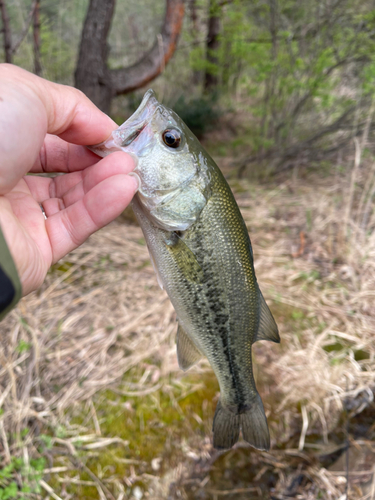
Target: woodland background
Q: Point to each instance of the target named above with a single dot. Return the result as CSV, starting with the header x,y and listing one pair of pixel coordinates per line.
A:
x,y
281,93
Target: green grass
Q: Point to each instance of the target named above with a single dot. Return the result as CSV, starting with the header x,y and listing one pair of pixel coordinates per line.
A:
x,y
152,426
19,480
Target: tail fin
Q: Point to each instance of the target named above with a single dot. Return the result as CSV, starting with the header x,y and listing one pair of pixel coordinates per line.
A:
x,y
253,422
254,426
226,428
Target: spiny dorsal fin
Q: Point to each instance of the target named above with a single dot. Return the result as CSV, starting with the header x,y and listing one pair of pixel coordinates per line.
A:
x,y
267,329
187,353
184,258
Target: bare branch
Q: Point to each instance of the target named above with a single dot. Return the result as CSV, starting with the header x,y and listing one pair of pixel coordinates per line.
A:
x,y
96,79
344,122
301,102
125,80
329,129
25,29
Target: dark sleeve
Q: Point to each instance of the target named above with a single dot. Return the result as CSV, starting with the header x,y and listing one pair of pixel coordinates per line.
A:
x,y
10,285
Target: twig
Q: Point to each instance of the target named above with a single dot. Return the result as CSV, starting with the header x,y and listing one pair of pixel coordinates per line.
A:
x,y
363,145
5,442
372,492
347,444
301,247
49,490
99,484
159,38
95,418
366,212
357,162
305,426
235,491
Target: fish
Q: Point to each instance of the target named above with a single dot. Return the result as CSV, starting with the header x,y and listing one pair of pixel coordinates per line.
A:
x,y
200,249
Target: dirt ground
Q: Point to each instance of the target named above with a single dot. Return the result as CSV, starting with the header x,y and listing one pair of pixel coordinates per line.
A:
x,y
93,404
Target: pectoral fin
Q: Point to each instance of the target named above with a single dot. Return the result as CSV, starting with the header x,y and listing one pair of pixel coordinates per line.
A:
x,y
184,258
267,329
160,282
187,353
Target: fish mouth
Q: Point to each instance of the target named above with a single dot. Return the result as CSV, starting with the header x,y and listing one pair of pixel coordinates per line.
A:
x,y
123,137
130,130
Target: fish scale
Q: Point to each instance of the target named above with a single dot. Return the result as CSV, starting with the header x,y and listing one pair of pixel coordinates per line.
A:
x,y
227,224
201,251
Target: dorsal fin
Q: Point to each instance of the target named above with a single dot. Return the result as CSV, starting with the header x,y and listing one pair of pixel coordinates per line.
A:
x,y
187,352
267,329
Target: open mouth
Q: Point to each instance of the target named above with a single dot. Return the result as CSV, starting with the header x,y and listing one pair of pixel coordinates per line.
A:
x,y
130,138
128,132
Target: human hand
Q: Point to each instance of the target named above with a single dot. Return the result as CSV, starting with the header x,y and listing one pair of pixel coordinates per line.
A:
x,y
91,193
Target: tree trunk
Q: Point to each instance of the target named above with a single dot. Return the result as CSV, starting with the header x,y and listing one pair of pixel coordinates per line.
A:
x,y
92,73
36,38
6,32
93,76
196,78
211,78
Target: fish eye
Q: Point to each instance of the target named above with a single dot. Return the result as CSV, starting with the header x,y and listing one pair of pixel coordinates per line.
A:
x,y
172,138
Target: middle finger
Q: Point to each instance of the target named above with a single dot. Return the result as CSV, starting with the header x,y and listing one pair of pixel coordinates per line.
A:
x,y
116,163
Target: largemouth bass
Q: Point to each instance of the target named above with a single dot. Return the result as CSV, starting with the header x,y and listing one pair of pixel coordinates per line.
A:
x,y
201,251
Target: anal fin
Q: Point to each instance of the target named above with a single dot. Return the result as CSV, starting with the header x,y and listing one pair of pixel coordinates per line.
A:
x,y
267,329
187,352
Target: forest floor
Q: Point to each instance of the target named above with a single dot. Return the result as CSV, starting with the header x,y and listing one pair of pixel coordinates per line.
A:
x,y
93,404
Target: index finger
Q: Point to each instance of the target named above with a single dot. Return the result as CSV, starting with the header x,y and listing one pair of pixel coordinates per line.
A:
x,y
69,113
29,108
57,155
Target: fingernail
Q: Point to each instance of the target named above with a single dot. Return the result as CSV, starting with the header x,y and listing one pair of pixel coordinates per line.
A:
x,y
135,158
136,178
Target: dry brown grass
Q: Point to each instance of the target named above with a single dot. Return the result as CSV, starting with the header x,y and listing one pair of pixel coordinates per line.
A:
x,y
100,314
